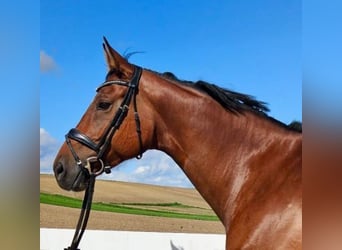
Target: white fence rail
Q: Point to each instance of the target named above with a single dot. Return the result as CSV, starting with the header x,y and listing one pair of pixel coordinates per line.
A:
x,y
58,239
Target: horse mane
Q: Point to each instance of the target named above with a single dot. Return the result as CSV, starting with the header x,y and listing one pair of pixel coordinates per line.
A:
x,y
296,126
232,101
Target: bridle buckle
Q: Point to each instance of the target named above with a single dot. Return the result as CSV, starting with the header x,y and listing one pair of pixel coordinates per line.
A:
x,y
91,160
107,169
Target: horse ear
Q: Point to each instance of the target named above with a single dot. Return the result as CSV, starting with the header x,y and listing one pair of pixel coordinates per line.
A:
x,y
115,60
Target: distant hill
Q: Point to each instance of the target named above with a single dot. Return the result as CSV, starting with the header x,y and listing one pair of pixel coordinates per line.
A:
x,y
126,192
141,196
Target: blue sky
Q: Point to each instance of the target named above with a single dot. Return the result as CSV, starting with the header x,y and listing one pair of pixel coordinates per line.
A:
x,y
253,47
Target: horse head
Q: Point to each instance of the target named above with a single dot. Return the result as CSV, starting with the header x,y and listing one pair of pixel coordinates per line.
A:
x,y
110,131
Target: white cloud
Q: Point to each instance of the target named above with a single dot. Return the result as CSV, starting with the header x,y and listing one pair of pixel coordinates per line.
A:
x,y
48,150
47,63
154,168
141,170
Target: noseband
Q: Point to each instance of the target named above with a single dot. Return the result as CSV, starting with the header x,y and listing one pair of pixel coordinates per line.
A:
x,y
120,115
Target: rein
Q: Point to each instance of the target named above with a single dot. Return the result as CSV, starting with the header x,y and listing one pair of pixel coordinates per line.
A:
x,y
84,215
101,147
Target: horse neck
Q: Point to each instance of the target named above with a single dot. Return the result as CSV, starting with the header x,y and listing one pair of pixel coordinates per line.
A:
x,y
211,145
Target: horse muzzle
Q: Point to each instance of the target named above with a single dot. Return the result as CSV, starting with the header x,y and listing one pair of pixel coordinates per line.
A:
x,y
75,178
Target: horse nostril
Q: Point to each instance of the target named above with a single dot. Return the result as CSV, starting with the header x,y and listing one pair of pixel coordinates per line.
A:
x,y
59,170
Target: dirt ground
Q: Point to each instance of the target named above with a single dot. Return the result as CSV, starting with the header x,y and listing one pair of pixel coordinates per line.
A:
x,y
122,192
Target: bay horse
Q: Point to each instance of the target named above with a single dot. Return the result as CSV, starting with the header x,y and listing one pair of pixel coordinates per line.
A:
x,y
244,163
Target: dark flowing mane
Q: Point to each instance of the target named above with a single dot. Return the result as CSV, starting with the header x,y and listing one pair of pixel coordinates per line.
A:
x,y
233,101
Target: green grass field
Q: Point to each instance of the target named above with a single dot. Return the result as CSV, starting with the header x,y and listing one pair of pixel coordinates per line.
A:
x,y
129,208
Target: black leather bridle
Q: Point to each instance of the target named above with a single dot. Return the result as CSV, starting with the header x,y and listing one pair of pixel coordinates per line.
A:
x,y
101,147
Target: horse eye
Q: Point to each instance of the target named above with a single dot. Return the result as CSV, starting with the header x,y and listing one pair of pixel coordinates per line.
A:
x,y
103,105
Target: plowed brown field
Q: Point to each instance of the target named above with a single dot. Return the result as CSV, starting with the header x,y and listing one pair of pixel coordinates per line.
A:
x,y
123,192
